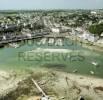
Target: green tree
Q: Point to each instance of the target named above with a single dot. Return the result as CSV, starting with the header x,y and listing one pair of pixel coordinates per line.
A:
x,y
96,29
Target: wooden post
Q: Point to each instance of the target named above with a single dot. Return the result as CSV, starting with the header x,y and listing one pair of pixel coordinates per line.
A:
x,y
38,87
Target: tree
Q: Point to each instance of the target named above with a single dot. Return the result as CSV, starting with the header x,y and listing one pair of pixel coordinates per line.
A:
x,y
96,29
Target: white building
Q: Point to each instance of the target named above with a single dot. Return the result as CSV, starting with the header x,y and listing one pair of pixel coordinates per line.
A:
x,y
73,32
55,30
88,36
28,35
84,36
79,29
24,24
27,32
93,12
93,38
4,37
18,21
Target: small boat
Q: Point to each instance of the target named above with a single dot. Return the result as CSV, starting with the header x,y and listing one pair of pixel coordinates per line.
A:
x,y
92,72
14,45
95,63
75,71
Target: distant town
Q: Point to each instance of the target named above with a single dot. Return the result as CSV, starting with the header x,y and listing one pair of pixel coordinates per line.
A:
x,y
87,25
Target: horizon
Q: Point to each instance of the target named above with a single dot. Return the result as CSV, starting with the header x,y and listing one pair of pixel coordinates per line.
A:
x,y
45,9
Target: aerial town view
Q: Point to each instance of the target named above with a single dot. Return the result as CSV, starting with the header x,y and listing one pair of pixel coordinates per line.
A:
x,y
51,50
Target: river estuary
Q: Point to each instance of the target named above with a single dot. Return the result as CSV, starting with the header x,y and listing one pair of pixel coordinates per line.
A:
x,y
70,57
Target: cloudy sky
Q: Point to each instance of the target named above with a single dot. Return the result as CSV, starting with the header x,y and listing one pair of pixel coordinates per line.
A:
x,y
50,4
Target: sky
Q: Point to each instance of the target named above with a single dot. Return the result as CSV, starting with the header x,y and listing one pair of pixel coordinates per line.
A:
x,y
50,4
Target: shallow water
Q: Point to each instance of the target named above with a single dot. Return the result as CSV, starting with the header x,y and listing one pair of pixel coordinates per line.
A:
x,y
13,58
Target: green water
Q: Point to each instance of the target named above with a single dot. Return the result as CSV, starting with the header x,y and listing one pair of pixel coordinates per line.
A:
x,y
9,59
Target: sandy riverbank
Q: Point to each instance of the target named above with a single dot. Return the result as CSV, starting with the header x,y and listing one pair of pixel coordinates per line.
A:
x,y
9,81
58,85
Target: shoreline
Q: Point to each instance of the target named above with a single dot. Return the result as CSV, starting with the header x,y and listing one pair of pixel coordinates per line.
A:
x,y
86,44
86,86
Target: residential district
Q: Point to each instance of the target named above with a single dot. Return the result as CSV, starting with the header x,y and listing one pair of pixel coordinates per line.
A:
x,y
87,25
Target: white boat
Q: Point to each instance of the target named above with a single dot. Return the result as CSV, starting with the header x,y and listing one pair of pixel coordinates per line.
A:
x,y
14,45
92,72
95,63
75,71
